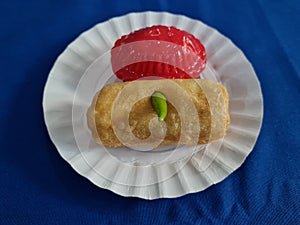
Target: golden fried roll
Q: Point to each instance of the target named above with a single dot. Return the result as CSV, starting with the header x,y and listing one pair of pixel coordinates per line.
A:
x,y
122,113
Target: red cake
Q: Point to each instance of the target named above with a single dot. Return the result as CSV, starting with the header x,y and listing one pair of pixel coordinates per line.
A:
x,y
158,51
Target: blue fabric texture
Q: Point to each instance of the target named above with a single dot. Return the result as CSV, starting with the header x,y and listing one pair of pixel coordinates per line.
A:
x,y
38,187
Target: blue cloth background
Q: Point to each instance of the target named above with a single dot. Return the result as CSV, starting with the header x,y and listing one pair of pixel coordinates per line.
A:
x,y
38,187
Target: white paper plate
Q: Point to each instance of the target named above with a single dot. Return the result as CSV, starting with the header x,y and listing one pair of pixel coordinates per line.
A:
x,y
86,63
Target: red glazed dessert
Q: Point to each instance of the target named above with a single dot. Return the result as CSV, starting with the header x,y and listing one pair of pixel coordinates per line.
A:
x,y
158,51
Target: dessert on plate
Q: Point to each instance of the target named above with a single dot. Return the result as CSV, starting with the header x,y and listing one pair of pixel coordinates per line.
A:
x,y
163,100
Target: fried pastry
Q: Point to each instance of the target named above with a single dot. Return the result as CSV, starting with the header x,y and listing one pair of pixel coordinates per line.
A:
x,y
122,114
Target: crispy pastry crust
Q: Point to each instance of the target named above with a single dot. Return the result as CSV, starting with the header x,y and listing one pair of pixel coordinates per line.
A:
x,y
210,99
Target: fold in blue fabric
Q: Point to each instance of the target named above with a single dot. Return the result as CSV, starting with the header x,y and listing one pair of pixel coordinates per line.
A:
x,y
39,187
